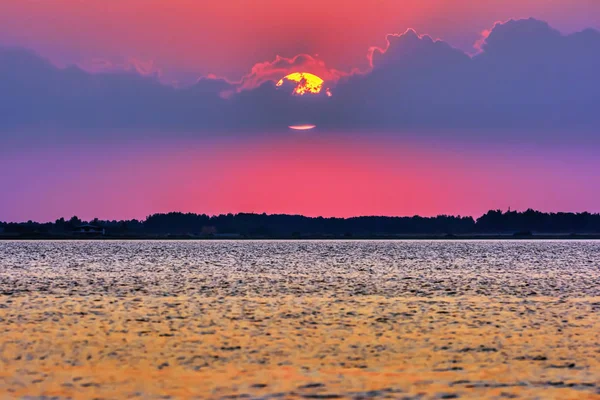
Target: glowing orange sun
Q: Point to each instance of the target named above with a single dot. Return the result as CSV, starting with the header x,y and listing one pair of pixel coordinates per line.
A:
x,y
305,83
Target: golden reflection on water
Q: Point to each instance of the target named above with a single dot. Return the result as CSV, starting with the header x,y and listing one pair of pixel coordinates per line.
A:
x,y
69,336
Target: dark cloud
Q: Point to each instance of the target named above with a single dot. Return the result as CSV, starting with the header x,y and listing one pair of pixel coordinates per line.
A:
x,y
527,76
35,94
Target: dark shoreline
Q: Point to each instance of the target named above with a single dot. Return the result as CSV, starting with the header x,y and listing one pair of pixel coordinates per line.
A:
x,y
495,224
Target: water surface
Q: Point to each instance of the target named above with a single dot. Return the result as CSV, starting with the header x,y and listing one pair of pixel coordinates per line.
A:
x,y
300,319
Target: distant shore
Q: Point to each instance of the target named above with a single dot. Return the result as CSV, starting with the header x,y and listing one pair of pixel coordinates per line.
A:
x,y
495,224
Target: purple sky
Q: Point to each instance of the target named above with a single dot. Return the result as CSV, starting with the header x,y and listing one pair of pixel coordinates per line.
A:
x,y
460,115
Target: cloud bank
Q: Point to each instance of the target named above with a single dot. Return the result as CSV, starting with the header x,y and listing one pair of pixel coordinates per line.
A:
x,y
526,76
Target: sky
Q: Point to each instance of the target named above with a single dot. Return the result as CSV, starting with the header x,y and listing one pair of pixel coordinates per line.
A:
x,y
122,109
189,38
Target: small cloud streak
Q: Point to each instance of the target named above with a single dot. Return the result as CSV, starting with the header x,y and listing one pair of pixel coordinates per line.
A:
x,y
478,45
129,64
302,127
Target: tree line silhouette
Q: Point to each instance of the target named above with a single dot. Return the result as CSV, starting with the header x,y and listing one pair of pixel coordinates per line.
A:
x,y
263,225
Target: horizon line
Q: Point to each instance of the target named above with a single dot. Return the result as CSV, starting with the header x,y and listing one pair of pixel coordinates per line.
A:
x,y
509,210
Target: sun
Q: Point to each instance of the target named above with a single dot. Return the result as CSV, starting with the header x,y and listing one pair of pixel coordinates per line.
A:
x,y
305,83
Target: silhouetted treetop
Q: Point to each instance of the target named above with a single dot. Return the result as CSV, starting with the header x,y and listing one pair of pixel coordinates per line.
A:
x,y
281,225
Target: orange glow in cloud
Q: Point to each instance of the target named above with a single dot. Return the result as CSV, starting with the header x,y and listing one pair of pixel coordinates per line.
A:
x,y
315,72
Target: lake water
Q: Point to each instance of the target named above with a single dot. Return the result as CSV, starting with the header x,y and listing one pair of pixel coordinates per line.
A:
x,y
300,319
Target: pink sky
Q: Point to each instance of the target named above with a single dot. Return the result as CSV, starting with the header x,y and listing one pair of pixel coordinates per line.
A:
x,y
298,174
